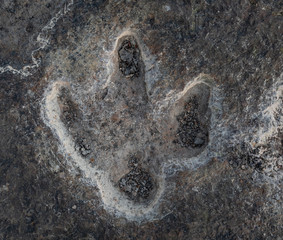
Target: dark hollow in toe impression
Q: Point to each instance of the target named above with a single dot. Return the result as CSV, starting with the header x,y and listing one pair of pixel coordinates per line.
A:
x,y
130,77
129,57
191,133
137,184
69,109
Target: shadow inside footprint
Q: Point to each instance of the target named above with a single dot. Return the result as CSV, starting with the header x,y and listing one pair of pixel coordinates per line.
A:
x,y
137,184
191,132
129,57
185,132
129,77
69,109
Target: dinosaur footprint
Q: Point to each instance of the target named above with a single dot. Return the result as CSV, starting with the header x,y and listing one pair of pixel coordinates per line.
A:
x,y
134,137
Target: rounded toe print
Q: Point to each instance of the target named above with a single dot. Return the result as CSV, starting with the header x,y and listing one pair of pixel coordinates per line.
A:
x,y
130,139
193,118
129,57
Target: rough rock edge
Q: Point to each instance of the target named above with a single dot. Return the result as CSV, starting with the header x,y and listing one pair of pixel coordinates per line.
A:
x,y
42,39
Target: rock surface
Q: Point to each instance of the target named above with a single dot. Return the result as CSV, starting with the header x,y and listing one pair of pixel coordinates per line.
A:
x,y
141,119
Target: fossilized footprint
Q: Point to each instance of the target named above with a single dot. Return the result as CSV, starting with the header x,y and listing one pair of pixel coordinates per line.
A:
x,y
131,137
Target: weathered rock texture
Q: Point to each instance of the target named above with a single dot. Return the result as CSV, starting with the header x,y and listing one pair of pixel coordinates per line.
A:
x,y
141,119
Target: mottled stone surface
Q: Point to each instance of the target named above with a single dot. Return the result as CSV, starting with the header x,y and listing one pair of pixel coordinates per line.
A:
x,y
141,119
